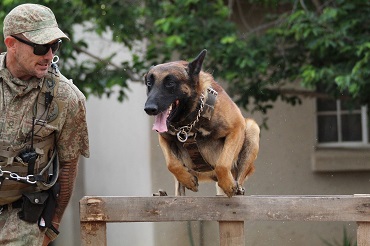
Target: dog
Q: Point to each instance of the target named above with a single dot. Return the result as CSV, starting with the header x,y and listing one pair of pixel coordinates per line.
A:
x,y
202,132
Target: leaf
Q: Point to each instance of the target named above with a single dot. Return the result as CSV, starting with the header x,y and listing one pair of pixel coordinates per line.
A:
x,y
228,39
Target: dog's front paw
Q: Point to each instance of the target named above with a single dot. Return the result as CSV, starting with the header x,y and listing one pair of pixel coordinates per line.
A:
x,y
230,187
190,182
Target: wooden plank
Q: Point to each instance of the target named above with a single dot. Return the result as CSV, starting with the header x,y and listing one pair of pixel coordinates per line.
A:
x,y
363,234
240,208
93,233
232,233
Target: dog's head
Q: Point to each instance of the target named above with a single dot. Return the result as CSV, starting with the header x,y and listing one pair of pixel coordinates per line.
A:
x,y
172,89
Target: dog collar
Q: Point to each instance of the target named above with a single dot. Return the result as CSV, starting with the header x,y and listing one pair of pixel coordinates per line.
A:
x,y
205,111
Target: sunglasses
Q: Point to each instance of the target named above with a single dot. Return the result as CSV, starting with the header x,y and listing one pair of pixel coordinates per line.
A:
x,y
41,49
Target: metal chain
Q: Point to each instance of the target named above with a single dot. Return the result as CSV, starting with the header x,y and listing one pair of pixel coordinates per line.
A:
x,y
182,132
14,176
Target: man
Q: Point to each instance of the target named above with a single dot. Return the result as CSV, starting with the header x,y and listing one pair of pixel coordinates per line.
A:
x,y
42,129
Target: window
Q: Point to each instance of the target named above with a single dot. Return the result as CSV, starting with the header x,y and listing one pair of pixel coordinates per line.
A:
x,y
342,124
342,137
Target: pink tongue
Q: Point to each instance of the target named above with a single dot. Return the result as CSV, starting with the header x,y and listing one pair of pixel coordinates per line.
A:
x,y
160,122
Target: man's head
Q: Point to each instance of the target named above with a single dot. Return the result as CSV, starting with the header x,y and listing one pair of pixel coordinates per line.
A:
x,y
32,37
36,22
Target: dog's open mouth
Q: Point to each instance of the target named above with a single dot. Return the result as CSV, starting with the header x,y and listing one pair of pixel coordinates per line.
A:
x,y
160,120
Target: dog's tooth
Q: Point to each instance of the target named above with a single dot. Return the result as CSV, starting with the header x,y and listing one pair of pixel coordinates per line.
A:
x,y
169,110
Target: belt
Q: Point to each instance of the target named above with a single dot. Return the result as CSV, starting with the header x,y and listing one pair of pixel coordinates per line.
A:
x,y
16,204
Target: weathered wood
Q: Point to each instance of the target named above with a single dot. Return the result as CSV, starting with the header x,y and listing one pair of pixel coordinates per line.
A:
x,y
363,234
93,233
240,208
231,213
232,233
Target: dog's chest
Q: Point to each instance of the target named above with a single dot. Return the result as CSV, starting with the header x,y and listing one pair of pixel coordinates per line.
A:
x,y
203,132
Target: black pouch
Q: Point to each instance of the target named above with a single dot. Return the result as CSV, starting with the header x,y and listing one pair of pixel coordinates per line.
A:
x,y
51,204
32,206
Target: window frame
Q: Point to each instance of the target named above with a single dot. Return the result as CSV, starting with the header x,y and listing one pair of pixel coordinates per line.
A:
x,y
338,112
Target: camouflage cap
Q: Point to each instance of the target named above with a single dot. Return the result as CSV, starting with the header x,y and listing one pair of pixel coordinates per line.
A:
x,y
36,22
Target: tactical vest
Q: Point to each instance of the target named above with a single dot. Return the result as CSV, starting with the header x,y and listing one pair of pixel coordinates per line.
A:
x,y
18,176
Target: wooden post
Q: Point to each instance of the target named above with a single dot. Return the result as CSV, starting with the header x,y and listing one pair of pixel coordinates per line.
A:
x,y
231,233
93,222
363,234
93,233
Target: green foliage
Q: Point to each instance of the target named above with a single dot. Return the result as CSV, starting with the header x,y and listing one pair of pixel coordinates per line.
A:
x,y
305,45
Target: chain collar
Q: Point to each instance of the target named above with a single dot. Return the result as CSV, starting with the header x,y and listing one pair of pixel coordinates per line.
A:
x,y
183,132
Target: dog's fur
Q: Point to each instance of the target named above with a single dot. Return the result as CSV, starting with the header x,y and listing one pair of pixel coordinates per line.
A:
x,y
228,142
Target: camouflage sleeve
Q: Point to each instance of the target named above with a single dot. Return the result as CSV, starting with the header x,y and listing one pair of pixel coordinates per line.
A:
x,y
67,177
73,137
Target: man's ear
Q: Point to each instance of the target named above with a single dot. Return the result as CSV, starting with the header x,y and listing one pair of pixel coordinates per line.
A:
x,y
195,66
10,42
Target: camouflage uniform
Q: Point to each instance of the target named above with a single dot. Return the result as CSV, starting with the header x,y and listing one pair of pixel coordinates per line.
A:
x,y
66,117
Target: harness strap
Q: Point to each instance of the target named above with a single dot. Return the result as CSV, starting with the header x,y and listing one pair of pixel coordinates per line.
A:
x,y
209,105
200,165
191,146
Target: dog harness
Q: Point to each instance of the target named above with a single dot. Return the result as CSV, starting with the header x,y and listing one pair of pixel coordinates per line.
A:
x,y
187,134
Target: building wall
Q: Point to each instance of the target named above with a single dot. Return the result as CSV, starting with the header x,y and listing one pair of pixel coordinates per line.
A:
x,y
283,167
119,163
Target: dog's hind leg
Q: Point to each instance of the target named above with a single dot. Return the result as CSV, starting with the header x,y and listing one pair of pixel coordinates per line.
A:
x,y
179,189
248,154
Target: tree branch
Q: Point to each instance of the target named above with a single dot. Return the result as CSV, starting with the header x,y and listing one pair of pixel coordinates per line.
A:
x,y
132,76
317,6
242,18
303,5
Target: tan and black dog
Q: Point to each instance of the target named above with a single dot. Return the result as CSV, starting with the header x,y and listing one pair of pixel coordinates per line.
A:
x,y
202,132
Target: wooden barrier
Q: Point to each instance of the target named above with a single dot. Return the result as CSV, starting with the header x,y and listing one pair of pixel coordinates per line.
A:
x,y
231,213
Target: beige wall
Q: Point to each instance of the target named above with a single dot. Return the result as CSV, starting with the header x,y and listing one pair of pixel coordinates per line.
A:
x,y
119,163
283,168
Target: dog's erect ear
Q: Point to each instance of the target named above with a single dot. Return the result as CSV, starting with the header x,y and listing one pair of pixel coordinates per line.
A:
x,y
196,65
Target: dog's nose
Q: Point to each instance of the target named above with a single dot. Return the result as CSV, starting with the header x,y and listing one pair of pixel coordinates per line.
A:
x,y
151,109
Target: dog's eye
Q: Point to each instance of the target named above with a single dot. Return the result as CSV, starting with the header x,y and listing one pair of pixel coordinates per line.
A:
x,y
169,81
149,81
